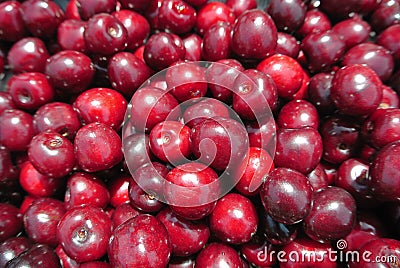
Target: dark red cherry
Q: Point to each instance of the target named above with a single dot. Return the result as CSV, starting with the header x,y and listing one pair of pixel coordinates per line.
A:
x,y
151,12
212,13
262,134
137,151
118,189
38,255
105,35
136,5
287,15
385,15
216,254
318,178
84,233
42,17
216,42
182,262
234,219
6,102
89,8
70,71
177,16
85,189
30,91
287,45
123,213
97,147
298,114
10,221
95,264
27,55
140,242
240,6
70,35
187,237
324,223
58,117
255,252
356,90
192,43
12,26
319,92
12,248
65,260
204,109
162,50
295,144
389,39
41,219
262,42
286,195
275,232
315,21
353,31
6,164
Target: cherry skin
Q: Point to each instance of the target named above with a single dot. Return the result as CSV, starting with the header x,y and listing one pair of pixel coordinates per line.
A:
x,y
28,55
251,252
10,221
295,144
57,117
385,15
216,254
298,114
85,189
151,13
97,147
137,151
51,154
41,219
84,233
287,15
6,102
263,38
6,164
192,43
390,99
118,189
287,45
212,13
123,213
102,105
240,6
389,39
12,247
69,71
318,178
319,92
38,255
105,35
353,31
322,222
187,237
128,240
12,25
136,5
275,232
262,134
182,262
17,130
88,9
216,42
177,16
70,35
234,219
72,11
284,205
315,21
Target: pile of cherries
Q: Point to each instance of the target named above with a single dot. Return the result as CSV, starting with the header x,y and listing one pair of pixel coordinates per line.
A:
x,y
285,138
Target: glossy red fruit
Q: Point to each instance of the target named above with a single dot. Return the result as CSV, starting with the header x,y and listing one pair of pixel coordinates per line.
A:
x,y
315,21
216,253
240,6
216,42
356,90
319,92
212,13
204,109
177,16
6,102
254,252
84,233
10,221
97,147
70,35
12,248
123,213
38,255
118,189
389,39
234,219
287,45
318,178
353,31
287,15
298,114
262,42
136,5
130,238
275,232
89,8
12,26
385,15
192,43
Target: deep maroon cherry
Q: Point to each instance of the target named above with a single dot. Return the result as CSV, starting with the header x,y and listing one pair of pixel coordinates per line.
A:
x,y
28,55
70,35
275,232
97,147
262,134
16,129
69,71
262,42
41,17
295,144
187,237
140,242
390,99
286,195
146,187
65,260
177,16
212,13
319,92
162,50
41,219
216,42
385,15
118,189
58,117
89,8
378,58
85,189
13,247
287,15
38,255
137,151
84,233
12,26
318,178
6,164
10,221
192,43
234,219
315,21
254,252
340,11
6,102
123,213
298,114
218,254
240,6
136,5
151,12
353,31
204,109
389,39
102,105
325,223
287,45
30,91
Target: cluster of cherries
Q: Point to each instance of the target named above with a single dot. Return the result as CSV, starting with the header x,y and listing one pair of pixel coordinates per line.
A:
x,y
295,106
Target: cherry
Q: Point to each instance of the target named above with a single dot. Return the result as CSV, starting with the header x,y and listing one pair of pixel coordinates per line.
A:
x,y
389,39
275,232
295,144
84,233
41,219
218,254
216,42
187,237
298,114
318,178
12,247
240,6
70,35
324,223
193,46
212,13
262,42
10,221
118,189
385,15
85,189
130,238
136,5
151,12
41,17
286,195
287,45
95,264
51,154
6,102
353,31
38,255
287,15
390,99
319,92
12,26
123,213
181,262
6,164
72,11
137,150
315,21
58,117
262,134
69,71
177,16
251,252
88,9
29,54
97,147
